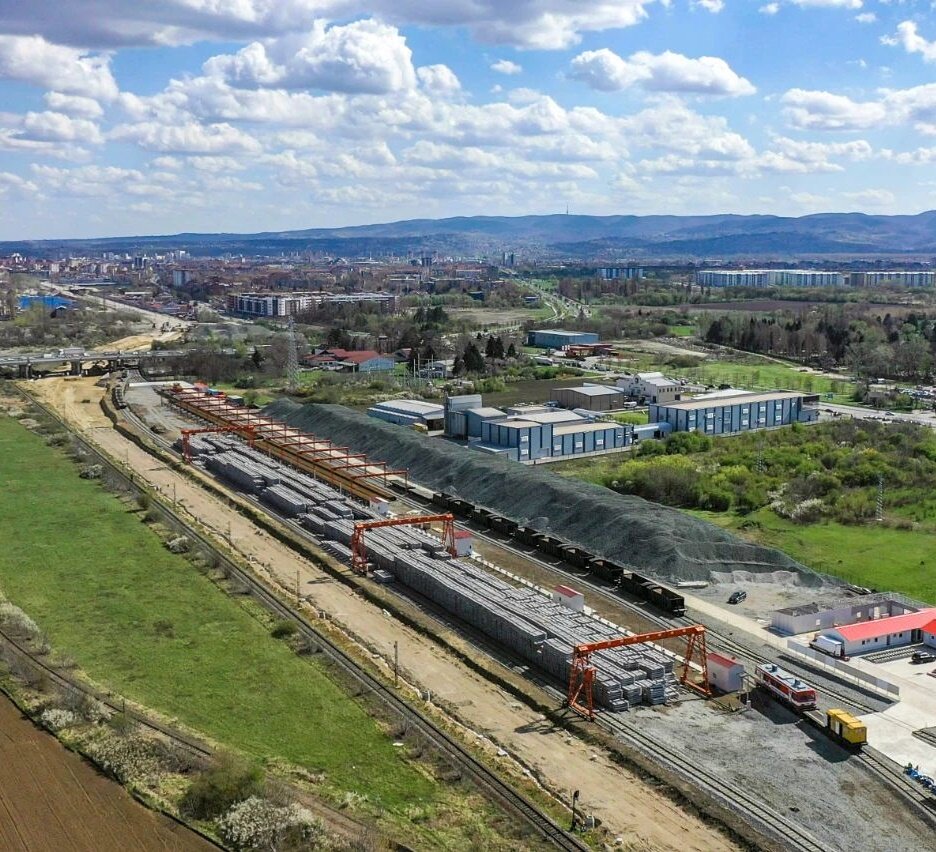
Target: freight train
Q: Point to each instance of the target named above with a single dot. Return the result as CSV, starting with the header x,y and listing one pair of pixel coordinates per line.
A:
x,y
787,687
623,578
848,730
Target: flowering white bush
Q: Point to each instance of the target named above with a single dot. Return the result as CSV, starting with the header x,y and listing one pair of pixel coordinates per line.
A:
x,y
128,758
13,619
56,718
256,824
804,512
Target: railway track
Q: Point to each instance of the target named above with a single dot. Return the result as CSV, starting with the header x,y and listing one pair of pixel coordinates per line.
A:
x,y
74,685
768,820
487,780
714,638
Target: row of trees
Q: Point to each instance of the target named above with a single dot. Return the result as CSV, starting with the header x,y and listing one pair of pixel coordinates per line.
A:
x,y
872,345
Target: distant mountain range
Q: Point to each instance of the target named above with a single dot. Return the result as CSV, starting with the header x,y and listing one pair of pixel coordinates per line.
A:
x,y
561,236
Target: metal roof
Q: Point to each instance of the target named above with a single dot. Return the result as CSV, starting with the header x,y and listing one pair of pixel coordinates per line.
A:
x,y
595,390
411,406
885,626
745,399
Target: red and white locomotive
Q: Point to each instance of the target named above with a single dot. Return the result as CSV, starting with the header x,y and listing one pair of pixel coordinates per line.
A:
x,y
785,686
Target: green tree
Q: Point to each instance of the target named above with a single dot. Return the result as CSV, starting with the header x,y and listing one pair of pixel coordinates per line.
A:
x,y
474,362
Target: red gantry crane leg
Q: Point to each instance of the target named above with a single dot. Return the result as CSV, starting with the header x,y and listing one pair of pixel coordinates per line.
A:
x,y
359,551
582,673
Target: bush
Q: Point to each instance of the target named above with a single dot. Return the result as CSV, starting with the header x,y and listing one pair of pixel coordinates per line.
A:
x,y
284,629
256,823
217,790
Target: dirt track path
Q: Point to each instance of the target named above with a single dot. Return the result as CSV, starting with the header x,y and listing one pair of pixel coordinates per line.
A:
x,y
627,806
52,801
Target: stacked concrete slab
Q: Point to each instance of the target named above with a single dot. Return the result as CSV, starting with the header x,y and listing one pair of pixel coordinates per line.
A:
x,y
287,490
522,619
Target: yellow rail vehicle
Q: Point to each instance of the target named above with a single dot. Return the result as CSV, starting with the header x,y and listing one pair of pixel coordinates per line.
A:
x,y
846,728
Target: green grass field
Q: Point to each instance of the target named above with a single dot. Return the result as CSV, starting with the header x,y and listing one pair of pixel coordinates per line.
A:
x,y
98,581
634,418
750,372
875,556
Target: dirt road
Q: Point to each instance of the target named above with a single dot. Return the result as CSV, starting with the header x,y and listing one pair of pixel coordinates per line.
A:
x,y
629,807
52,801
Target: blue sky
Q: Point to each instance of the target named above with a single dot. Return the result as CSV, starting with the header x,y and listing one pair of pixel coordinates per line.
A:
x,y
123,117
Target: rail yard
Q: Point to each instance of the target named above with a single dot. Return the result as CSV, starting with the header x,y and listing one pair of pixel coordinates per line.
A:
x,y
395,538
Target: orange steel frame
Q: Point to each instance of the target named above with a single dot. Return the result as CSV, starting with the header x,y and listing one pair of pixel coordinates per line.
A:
x,y
187,433
582,673
282,441
359,551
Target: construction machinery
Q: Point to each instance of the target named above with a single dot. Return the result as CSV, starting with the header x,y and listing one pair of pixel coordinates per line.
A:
x,y
359,551
582,673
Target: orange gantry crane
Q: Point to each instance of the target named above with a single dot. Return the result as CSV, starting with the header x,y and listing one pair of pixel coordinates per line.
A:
x,y
359,551
582,673
249,431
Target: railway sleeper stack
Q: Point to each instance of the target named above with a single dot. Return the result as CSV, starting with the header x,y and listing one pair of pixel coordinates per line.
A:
x,y
522,619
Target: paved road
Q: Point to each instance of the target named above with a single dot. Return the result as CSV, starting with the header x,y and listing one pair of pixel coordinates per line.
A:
x,y
925,418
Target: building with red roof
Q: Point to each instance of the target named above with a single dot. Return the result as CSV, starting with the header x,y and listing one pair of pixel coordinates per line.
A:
x,y
908,629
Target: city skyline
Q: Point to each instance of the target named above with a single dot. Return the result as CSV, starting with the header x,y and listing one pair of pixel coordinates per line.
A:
x,y
175,116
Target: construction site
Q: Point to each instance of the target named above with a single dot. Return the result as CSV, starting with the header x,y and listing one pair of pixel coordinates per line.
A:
x,y
534,605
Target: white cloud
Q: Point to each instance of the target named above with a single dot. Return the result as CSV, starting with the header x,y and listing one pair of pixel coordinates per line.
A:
x,y
828,4
866,18
666,72
188,138
73,105
364,56
57,127
912,42
866,198
31,59
505,66
713,6
769,9
819,110
439,79
543,24
10,181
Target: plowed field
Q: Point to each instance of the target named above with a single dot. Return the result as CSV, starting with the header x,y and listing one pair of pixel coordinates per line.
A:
x,y
52,801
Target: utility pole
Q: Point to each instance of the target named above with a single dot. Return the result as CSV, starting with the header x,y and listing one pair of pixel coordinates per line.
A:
x,y
575,797
396,663
297,587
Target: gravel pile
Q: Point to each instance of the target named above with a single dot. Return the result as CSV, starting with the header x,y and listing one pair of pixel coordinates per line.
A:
x,y
652,538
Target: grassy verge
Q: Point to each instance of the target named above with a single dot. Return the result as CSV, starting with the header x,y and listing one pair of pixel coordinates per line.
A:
x,y
144,622
634,418
875,556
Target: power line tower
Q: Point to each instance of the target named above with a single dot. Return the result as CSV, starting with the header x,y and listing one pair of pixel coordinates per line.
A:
x,y
292,360
880,499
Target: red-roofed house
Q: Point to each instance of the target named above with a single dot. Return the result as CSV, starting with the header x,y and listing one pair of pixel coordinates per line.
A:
x,y
907,629
569,597
352,361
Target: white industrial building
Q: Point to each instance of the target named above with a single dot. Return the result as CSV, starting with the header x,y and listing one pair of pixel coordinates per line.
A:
x,y
725,673
650,387
811,617
908,629
409,412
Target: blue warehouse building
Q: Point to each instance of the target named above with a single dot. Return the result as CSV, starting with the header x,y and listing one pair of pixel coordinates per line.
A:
x,y
527,440
553,338
736,411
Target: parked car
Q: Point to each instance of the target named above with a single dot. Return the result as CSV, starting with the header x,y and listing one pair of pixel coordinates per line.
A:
x,y
737,597
922,657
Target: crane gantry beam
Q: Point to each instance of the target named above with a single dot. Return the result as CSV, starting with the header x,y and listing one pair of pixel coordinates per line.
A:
x,y
582,673
359,551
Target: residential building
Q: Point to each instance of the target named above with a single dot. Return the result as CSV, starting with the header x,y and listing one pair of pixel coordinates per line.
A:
x,y
899,278
741,411
769,278
351,361
290,304
553,338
